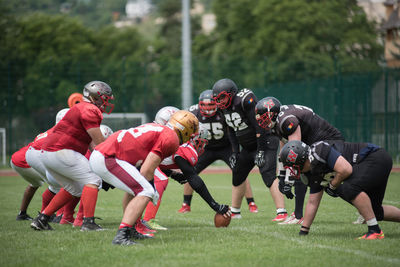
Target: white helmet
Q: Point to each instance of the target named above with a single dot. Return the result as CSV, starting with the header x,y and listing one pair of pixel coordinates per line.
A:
x,y
106,131
200,140
164,114
61,114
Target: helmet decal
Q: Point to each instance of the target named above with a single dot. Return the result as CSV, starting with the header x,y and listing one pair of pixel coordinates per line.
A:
x,y
292,156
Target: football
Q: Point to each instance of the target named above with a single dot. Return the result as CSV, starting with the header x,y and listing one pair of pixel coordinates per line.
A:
x,y
221,221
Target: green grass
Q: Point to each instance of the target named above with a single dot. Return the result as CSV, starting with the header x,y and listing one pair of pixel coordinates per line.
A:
x,y
192,239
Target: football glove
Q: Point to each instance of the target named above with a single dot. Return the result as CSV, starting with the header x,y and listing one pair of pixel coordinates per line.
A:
x,y
330,190
232,160
106,186
260,159
285,188
223,209
179,177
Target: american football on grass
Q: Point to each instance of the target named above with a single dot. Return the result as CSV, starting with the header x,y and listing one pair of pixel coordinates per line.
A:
x,y
221,221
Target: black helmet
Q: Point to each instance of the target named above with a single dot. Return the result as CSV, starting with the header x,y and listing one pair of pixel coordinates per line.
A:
x,y
207,105
294,155
223,92
267,110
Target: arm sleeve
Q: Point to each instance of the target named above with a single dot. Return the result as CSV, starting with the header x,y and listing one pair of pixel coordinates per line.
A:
x,y
196,182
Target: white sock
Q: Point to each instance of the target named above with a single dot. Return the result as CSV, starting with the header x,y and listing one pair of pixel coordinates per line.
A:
x,y
235,210
280,210
372,222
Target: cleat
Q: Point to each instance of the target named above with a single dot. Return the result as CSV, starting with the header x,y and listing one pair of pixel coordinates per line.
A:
x,y
144,228
24,217
360,220
67,220
56,219
291,220
152,224
78,221
184,209
280,217
41,222
122,237
136,235
372,236
253,207
89,225
236,215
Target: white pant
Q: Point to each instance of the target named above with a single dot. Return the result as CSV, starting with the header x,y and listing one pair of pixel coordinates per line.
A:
x,y
29,174
70,169
121,174
32,157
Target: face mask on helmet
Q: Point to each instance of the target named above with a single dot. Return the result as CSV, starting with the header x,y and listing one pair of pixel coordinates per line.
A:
x,y
200,140
164,114
223,92
293,156
105,131
207,105
184,123
60,115
100,94
267,110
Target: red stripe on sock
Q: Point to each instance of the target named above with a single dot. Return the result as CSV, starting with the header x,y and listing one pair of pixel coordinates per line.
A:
x,y
122,225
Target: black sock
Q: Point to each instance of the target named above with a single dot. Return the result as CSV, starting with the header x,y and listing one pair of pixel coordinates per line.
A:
x,y
300,191
249,200
374,228
22,212
187,199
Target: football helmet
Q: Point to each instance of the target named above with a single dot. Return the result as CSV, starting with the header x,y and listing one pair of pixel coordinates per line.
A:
x,y
200,139
164,114
267,110
106,131
293,156
207,105
99,93
185,124
61,114
223,92
74,98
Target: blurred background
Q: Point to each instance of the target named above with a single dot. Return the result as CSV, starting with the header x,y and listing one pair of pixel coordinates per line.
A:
x,y
340,58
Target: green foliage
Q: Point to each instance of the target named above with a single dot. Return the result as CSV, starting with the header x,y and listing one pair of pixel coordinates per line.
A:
x,y
192,239
298,38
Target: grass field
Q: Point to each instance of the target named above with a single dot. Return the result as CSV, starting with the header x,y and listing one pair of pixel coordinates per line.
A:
x,y
192,239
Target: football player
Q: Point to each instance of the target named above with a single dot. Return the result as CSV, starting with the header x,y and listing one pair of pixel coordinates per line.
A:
x,y
259,147
63,155
24,163
358,175
118,158
294,122
218,147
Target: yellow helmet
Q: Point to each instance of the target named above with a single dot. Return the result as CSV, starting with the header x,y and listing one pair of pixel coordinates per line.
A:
x,y
185,124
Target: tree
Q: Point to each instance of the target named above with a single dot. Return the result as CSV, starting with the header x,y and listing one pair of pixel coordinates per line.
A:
x,y
298,38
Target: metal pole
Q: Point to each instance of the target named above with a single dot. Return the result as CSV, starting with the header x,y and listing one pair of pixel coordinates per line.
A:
x,y
186,56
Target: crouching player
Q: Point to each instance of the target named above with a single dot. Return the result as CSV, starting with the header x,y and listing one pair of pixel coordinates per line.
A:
x,y
360,175
116,160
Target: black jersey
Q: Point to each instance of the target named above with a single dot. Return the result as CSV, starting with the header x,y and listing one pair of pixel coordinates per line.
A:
x,y
313,127
217,127
323,158
240,116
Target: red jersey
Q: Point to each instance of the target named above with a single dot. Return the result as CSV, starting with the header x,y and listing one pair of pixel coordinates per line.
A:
x,y
185,151
40,138
71,131
133,145
18,158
